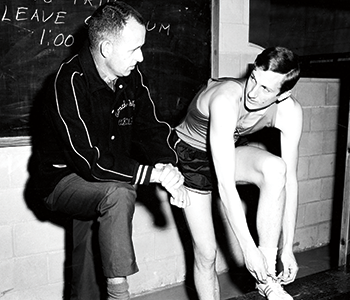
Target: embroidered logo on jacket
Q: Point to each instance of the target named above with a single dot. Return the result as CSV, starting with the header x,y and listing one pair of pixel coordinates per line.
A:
x,y
127,120
128,103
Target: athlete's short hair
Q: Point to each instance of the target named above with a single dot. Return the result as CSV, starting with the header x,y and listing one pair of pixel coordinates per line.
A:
x,y
280,60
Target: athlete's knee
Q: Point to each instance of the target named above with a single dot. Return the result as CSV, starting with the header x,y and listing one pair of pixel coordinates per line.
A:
x,y
205,255
274,170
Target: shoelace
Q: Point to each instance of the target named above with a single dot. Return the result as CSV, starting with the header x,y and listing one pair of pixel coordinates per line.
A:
x,y
274,286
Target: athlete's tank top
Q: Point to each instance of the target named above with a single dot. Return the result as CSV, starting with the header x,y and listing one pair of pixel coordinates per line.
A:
x,y
194,128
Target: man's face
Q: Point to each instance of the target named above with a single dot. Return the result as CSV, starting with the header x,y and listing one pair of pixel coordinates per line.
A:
x,y
126,49
262,89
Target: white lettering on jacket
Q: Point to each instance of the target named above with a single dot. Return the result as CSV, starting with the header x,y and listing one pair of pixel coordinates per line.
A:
x,y
128,103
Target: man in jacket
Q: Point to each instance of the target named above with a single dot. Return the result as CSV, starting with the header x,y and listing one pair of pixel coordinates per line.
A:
x,y
100,138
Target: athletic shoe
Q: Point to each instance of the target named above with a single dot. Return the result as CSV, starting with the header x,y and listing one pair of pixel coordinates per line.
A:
x,y
273,290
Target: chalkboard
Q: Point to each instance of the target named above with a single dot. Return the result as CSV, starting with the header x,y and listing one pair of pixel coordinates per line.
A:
x,y
36,35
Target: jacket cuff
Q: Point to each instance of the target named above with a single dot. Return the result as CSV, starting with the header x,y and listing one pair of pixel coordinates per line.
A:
x,y
143,175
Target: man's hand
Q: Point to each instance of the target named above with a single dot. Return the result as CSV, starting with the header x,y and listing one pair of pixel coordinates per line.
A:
x,y
179,197
290,267
170,177
172,180
256,264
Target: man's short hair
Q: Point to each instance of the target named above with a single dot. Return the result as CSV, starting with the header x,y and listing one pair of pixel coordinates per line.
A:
x,y
110,19
283,61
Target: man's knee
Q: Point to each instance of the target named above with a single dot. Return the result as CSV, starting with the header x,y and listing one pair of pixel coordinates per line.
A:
x,y
120,197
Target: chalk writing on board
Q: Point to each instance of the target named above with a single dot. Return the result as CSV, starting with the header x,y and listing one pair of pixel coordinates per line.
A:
x,y
37,35
58,18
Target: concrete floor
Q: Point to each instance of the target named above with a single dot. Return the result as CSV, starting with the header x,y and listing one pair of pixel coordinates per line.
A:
x,y
238,282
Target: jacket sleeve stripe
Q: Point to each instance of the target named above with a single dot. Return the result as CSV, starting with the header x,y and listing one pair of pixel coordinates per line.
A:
x,y
143,174
138,174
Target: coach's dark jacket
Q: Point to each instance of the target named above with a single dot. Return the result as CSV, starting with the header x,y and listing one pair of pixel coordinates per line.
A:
x,y
101,135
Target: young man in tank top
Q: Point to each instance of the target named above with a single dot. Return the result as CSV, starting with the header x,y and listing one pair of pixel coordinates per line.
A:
x,y
223,111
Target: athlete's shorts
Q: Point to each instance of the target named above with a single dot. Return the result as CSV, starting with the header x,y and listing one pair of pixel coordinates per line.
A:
x,y
195,166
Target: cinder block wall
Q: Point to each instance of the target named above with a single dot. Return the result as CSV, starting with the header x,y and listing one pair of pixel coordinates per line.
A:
x,y
32,252
316,170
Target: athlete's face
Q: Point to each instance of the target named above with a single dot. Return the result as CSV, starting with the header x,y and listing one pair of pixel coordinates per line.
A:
x,y
262,89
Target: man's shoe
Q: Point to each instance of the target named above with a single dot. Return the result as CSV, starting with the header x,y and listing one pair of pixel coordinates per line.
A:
x,y
273,290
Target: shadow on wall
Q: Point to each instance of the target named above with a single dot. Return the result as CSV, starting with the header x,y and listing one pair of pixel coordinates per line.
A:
x,y
33,201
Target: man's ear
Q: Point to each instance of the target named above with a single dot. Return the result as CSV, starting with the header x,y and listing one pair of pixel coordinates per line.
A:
x,y
105,48
284,96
